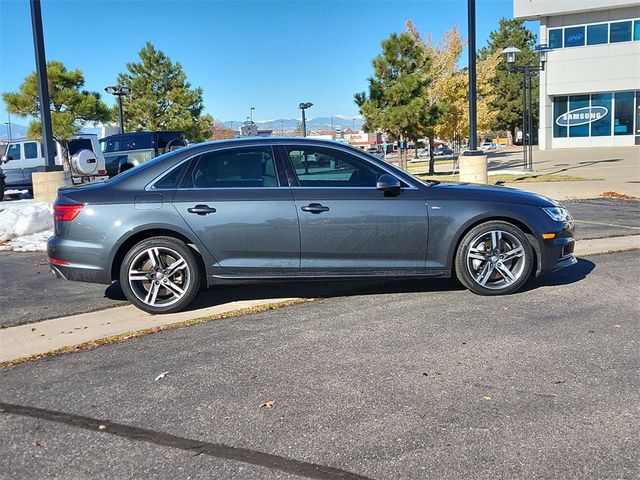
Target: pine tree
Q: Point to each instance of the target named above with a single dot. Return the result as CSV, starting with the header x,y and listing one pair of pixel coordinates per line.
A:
x,y
398,99
161,98
71,107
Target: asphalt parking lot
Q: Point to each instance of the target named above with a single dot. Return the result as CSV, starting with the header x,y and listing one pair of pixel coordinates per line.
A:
x,y
31,293
436,384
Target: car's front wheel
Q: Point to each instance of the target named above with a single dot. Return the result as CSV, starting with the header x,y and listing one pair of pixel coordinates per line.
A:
x,y
160,275
494,258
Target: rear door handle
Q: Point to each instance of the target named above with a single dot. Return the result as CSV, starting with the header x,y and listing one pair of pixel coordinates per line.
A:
x,y
201,210
315,208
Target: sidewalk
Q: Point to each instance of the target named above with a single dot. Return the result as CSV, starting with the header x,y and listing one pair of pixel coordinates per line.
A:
x,y
615,169
34,339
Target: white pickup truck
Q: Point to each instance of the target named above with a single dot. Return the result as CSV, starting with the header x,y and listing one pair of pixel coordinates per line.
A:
x,y
23,157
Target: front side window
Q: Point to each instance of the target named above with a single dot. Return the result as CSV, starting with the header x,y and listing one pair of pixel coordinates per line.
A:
x,y
31,150
620,32
13,153
238,168
555,38
598,34
623,120
574,37
320,167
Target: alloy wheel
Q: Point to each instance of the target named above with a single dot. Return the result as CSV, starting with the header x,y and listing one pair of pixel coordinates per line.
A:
x,y
496,259
159,276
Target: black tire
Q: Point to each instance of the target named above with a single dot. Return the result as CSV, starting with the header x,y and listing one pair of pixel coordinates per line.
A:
x,y
477,260
150,264
2,186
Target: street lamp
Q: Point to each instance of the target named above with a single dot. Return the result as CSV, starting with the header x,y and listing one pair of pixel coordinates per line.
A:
x,y
303,107
119,92
528,71
251,114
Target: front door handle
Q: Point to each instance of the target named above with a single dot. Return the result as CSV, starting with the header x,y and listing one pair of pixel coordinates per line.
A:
x,y
315,208
201,210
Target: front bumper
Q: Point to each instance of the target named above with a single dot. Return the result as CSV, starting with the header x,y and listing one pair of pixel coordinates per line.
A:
x,y
558,253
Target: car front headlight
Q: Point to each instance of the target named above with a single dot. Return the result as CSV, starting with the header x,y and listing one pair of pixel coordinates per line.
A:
x,y
559,214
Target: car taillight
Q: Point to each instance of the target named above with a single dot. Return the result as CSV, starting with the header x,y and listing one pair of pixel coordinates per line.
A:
x,y
66,213
102,172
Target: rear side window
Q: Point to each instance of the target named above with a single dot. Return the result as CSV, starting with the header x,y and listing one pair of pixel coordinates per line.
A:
x,y
237,168
31,150
172,179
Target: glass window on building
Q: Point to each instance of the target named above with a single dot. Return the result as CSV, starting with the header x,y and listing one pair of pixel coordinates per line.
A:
x,y
575,102
559,107
623,111
636,30
555,38
574,37
598,34
620,32
602,126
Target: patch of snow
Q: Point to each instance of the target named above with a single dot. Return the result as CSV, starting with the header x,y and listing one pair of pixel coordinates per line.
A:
x,y
25,225
36,242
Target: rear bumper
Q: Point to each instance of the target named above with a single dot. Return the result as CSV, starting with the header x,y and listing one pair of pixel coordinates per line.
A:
x,y
77,261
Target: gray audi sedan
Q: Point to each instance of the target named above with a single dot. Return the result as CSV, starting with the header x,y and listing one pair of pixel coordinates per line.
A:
x,y
296,208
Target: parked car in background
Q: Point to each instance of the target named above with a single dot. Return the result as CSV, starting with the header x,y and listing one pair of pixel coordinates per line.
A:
x,y
442,150
23,157
488,146
424,153
123,151
375,152
250,209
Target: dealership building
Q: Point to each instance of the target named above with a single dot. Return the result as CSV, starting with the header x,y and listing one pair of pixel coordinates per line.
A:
x,y
590,86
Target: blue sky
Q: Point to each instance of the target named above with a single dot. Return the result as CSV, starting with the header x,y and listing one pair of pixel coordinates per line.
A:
x,y
267,54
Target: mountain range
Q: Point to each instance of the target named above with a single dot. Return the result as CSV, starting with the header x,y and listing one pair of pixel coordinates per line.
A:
x,y
290,124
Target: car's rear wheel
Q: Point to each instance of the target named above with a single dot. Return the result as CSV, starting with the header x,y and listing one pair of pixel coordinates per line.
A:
x,y
494,258
160,275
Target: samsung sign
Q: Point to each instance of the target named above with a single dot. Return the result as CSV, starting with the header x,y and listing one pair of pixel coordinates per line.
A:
x,y
581,116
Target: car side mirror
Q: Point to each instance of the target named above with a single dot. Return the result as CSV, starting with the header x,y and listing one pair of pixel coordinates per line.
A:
x,y
4,158
388,184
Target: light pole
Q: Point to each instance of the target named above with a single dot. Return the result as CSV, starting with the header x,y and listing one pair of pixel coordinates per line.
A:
x,y
43,87
8,124
282,126
251,114
303,107
119,92
528,71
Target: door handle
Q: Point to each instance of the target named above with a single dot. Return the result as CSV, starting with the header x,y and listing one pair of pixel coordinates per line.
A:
x,y
315,208
201,210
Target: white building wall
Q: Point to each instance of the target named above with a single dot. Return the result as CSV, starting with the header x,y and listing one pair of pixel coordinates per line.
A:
x,y
589,69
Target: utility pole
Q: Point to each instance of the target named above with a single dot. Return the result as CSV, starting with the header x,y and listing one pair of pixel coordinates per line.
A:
x,y
43,86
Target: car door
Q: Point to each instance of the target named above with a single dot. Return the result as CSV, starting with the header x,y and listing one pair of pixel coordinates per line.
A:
x,y
238,203
32,159
348,226
12,165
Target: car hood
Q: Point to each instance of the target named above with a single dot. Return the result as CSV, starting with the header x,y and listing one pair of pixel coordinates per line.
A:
x,y
473,191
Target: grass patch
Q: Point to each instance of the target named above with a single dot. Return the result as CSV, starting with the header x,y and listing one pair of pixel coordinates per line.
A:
x,y
509,178
148,331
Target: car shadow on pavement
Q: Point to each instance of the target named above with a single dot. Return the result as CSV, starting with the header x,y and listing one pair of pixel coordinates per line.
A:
x,y
222,294
566,276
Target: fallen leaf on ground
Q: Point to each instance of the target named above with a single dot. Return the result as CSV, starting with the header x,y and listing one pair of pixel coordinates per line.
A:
x,y
162,375
560,380
487,397
102,427
268,404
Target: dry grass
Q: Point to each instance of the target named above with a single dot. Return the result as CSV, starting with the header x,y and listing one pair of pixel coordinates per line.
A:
x,y
509,178
619,196
148,331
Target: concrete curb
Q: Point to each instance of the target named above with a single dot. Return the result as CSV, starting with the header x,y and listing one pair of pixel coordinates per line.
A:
x,y
24,341
50,335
